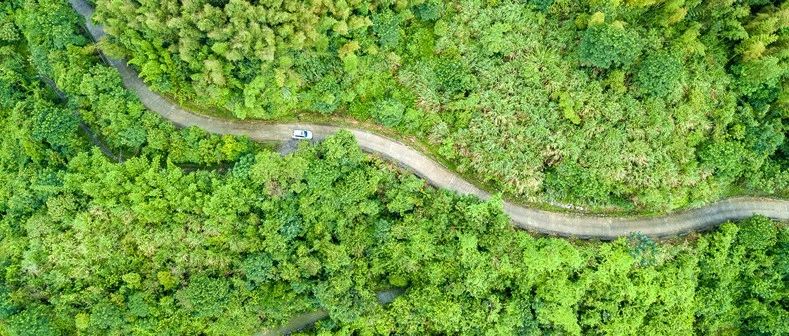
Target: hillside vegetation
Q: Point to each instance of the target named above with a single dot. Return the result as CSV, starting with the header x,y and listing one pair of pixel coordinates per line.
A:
x,y
194,234
637,104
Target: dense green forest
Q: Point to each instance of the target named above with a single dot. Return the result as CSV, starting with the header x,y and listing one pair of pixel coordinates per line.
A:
x,y
135,240
607,104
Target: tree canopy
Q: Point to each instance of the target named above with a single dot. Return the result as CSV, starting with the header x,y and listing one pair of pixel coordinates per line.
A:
x,y
647,99
94,244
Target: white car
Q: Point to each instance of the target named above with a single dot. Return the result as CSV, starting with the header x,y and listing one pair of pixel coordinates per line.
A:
x,y
302,135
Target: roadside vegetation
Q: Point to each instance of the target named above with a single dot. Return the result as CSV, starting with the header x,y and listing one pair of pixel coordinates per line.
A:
x,y
643,105
90,245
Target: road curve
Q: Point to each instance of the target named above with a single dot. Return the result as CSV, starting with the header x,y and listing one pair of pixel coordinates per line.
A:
x,y
564,224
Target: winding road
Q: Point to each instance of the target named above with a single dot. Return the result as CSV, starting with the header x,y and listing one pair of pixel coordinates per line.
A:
x,y
564,224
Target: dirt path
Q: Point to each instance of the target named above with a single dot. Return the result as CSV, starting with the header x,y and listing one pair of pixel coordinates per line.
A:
x,y
577,225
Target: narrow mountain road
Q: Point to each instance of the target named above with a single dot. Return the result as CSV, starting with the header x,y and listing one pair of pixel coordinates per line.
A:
x,y
577,225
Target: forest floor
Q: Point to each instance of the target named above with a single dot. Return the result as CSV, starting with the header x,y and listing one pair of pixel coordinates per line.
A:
x,y
532,219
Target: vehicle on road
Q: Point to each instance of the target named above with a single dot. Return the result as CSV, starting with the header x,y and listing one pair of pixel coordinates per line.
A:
x,y
302,135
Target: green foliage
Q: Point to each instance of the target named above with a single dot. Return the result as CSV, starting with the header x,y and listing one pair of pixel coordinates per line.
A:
x,y
389,112
762,52
430,10
8,31
542,5
258,268
93,246
643,249
660,74
32,321
725,159
54,126
204,297
609,45
741,284
569,178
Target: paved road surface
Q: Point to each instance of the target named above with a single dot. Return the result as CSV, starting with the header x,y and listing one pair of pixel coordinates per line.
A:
x,y
582,226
